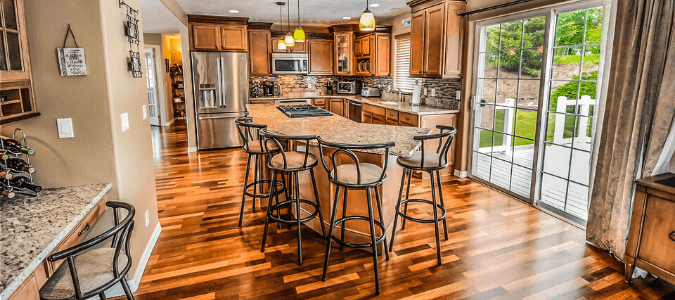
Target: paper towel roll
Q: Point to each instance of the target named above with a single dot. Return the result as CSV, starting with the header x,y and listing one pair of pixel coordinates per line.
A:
x,y
417,91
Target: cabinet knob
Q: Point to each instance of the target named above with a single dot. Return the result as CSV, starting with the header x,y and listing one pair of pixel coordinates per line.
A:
x,y
672,236
420,72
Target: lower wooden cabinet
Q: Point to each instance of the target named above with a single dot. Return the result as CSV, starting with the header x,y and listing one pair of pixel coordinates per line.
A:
x,y
337,106
321,103
320,54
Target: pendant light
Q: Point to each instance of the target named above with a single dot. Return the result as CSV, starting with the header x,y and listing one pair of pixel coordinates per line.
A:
x,y
299,34
290,41
367,22
281,44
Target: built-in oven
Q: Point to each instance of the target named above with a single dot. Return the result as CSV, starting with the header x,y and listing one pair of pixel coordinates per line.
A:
x,y
287,101
289,63
355,111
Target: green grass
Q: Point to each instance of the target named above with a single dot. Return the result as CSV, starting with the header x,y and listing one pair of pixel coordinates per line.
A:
x,y
526,127
589,59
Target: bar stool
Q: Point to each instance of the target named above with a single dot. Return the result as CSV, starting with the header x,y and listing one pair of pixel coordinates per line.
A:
x,y
253,146
290,163
359,176
432,163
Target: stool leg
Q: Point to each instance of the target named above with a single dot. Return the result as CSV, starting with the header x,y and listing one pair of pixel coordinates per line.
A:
x,y
440,194
398,207
384,232
298,216
256,177
372,240
318,203
330,232
269,211
433,199
243,197
127,290
407,196
286,187
102,296
344,215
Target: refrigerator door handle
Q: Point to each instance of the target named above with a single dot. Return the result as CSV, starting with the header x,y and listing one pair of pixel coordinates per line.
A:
x,y
222,81
221,95
224,117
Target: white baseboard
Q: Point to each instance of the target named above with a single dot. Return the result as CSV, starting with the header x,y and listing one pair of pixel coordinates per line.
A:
x,y
192,149
169,123
461,174
117,290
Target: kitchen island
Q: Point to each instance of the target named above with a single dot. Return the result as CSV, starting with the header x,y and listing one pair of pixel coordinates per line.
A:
x,y
342,130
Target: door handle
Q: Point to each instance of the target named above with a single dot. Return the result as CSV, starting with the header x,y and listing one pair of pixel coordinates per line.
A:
x,y
672,236
86,228
227,117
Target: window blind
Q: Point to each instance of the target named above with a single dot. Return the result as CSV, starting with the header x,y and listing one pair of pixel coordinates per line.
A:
x,y
402,78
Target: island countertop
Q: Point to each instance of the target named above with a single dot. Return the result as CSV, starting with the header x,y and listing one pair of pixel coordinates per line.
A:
x,y
338,129
32,227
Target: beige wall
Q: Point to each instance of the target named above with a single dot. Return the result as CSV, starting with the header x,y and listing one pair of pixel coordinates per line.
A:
x,y
100,151
189,99
396,30
152,39
176,10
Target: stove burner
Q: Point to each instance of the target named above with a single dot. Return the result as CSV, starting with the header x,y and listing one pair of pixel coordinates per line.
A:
x,y
303,111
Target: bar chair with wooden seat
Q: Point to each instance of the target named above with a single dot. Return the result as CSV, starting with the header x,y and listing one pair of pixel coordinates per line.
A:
x,y
357,176
432,163
90,268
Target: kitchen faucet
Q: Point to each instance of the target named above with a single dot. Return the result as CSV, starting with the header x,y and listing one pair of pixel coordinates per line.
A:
x,y
400,95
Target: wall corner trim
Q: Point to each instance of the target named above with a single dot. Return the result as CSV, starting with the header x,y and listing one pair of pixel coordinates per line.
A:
x,y
192,149
116,290
461,174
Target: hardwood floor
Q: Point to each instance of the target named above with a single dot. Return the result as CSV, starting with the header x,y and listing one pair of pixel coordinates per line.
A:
x,y
498,247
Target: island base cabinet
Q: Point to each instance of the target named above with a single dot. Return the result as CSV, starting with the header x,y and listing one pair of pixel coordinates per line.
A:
x,y
29,290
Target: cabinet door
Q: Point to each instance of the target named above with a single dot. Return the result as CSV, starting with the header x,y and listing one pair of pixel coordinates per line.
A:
x,y
377,119
275,45
337,107
27,291
433,40
367,118
365,45
343,54
300,47
382,55
418,21
453,40
259,52
205,37
656,245
320,57
233,38
15,66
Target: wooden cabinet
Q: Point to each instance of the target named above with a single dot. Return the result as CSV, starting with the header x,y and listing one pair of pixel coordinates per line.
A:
x,y
344,54
436,38
29,290
321,103
373,55
205,37
233,38
651,234
374,114
357,47
298,48
213,33
259,49
406,119
382,55
392,117
337,106
320,54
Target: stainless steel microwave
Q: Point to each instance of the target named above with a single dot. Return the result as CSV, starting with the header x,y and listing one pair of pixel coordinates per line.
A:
x,y
289,63
348,87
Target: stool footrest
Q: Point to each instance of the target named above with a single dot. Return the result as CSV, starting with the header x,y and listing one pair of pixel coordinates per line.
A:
x,y
273,208
364,245
440,218
260,182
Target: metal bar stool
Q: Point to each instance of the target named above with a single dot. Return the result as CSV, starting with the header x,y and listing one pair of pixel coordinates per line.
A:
x,y
290,163
433,163
360,176
253,146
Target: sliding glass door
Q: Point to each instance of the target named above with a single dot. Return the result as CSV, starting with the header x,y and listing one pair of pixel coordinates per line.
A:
x,y
535,91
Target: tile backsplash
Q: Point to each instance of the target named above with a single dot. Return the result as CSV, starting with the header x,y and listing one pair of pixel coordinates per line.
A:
x,y
444,95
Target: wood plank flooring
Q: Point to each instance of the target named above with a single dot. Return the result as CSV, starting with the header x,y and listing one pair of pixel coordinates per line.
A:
x,y
498,247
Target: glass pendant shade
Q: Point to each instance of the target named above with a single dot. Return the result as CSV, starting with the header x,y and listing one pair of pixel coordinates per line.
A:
x,y
367,22
290,41
281,45
299,35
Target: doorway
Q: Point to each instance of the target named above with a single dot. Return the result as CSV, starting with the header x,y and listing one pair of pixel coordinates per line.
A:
x,y
537,78
153,92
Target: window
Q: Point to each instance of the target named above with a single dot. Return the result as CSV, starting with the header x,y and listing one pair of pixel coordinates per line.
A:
x,y
402,78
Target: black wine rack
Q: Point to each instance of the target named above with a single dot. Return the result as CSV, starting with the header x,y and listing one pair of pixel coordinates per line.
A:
x,y
6,187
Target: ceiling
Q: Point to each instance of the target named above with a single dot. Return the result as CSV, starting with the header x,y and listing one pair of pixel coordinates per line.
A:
x,y
158,19
312,12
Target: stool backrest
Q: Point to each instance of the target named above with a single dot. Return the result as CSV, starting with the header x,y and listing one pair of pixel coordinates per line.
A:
x,y
249,131
271,139
448,134
341,148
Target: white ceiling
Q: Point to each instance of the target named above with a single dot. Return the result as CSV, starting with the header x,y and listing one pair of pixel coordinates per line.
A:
x,y
312,12
157,18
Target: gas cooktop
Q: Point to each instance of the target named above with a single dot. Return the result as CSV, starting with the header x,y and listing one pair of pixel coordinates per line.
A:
x,y
303,111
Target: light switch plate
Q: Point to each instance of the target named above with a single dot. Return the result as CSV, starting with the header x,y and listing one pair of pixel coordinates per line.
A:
x,y
147,218
125,122
65,127
433,92
145,113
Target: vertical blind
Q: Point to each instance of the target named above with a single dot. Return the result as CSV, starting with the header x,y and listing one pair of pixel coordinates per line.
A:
x,y
402,78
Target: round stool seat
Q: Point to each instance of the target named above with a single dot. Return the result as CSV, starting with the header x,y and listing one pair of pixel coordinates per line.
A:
x,y
254,147
294,160
431,161
348,174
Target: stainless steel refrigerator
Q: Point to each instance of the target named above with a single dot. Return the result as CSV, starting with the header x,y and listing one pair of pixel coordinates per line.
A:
x,y
220,83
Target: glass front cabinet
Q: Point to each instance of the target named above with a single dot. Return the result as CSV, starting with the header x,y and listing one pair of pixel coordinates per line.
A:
x,y
344,62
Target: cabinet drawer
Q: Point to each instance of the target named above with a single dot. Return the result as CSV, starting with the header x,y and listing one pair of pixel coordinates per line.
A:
x,y
392,116
375,110
319,101
408,119
657,244
77,234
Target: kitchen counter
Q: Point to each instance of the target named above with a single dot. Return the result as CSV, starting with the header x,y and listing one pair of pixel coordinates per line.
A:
x,y
402,106
339,129
32,227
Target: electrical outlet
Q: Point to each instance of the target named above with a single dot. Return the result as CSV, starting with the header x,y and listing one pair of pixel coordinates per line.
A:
x,y
125,122
458,95
425,91
145,113
147,218
433,92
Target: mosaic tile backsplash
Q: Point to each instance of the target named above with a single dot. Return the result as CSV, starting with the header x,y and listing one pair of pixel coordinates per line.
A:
x,y
444,98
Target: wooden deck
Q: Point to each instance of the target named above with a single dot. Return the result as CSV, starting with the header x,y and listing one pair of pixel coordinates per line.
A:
x,y
498,247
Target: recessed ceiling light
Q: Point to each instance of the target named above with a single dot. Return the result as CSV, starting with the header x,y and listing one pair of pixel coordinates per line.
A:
x,y
234,11
346,18
374,5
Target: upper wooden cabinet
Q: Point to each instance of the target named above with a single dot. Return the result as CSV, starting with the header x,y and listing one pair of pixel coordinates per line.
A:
x,y
259,50
344,54
212,33
320,54
373,53
299,47
436,38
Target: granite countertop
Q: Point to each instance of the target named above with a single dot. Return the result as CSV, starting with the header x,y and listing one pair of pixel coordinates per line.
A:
x,y
419,110
339,129
32,227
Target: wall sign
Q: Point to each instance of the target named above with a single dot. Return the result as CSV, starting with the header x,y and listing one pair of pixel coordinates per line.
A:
x,y
71,60
405,23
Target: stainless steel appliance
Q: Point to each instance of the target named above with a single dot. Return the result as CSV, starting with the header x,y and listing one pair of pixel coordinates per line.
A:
x,y
220,81
347,87
355,111
289,63
268,88
303,111
291,101
370,92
